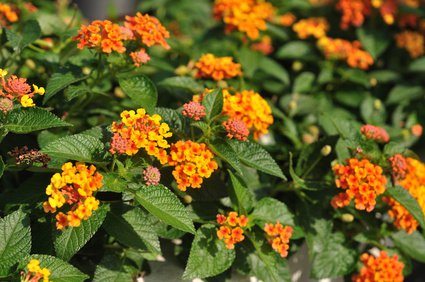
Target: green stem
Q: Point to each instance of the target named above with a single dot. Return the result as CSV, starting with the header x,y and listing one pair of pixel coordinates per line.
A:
x,y
312,166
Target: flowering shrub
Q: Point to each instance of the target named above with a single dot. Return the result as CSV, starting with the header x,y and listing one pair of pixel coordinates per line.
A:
x,y
227,135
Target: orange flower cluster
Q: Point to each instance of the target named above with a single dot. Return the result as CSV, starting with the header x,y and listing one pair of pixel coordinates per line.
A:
x,y
217,68
387,8
35,272
75,187
236,129
231,229
278,237
7,14
250,108
412,41
362,181
398,166
17,88
139,130
193,162
353,12
414,182
264,46
316,27
140,57
247,16
340,49
375,133
149,29
286,19
383,268
105,35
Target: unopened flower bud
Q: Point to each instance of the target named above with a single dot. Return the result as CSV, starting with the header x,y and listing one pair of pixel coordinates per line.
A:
x,y
373,82
314,130
293,105
326,150
377,104
30,64
182,70
297,66
118,92
6,105
347,217
187,199
222,84
308,138
86,70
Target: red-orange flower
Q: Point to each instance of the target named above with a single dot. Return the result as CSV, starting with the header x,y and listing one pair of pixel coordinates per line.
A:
x,y
278,237
231,229
217,68
362,181
383,268
140,57
412,41
7,14
353,12
236,129
376,133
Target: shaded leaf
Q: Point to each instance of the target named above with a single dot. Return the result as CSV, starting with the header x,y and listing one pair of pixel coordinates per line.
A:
x,y
141,90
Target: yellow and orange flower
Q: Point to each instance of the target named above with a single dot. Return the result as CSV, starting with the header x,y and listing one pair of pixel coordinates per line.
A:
x,y
231,229
35,272
104,35
383,268
7,14
316,27
192,163
412,41
139,130
247,16
353,12
17,88
74,187
362,181
278,237
414,183
217,68
264,46
286,19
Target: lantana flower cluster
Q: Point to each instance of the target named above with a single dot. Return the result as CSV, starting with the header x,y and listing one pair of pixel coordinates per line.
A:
x,y
139,130
35,272
414,183
316,27
383,268
74,186
361,180
231,228
16,88
278,237
109,37
375,133
7,14
412,41
192,163
217,68
247,16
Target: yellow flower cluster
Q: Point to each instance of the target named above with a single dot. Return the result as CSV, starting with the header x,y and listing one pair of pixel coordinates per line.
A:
x,y
316,27
247,16
75,187
35,272
139,130
217,68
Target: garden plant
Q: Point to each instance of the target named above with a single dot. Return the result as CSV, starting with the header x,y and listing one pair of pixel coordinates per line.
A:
x,y
231,133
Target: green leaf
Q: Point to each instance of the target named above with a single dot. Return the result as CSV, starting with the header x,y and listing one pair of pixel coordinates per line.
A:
x,y
60,271
58,82
330,258
208,255
404,93
163,204
402,196
69,241
213,103
32,119
269,210
15,234
170,117
249,59
112,269
418,65
141,90
294,50
133,227
30,32
243,196
112,182
1,167
373,40
226,152
78,147
75,91
385,76
253,155
184,83
304,82
411,244
274,69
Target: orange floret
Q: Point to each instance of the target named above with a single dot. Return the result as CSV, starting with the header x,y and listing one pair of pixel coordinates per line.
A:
x,y
353,12
139,130
231,229
149,29
7,14
383,268
192,163
74,187
414,183
316,27
362,181
247,16
278,237
412,41
217,68
103,35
